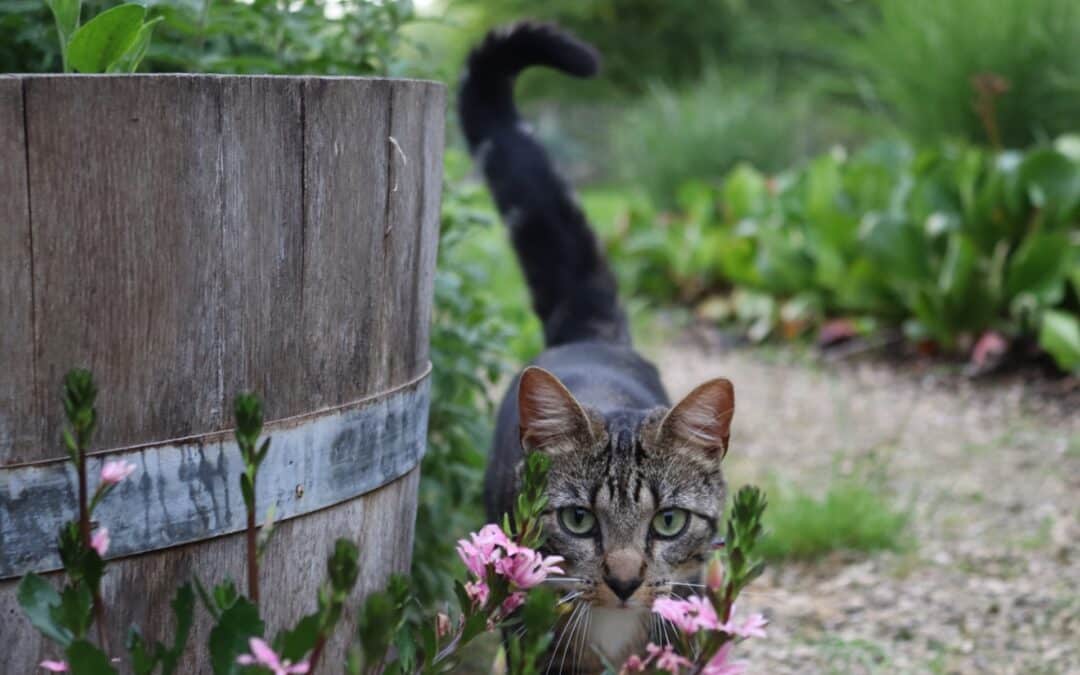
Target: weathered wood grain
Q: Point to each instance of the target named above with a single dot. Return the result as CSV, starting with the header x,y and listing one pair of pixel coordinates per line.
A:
x,y
345,203
197,235
263,221
125,183
20,428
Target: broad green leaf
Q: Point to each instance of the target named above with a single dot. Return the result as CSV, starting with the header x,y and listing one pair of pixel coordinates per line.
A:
x,y
744,193
1038,267
1052,183
86,659
129,61
1059,335
74,611
66,13
39,600
105,39
295,643
229,638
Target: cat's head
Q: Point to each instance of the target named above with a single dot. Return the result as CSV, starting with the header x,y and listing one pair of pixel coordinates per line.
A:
x,y
634,496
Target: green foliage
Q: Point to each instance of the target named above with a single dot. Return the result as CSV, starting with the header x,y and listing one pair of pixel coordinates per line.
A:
x,y
145,657
86,659
950,242
1059,335
702,129
113,41
852,516
41,604
229,637
990,71
353,37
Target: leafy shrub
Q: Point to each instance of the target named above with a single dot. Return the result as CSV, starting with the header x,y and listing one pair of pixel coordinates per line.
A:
x,y
701,131
951,242
943,69
315,37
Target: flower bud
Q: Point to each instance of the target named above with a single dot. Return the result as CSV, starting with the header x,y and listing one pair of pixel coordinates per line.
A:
x,y
714,574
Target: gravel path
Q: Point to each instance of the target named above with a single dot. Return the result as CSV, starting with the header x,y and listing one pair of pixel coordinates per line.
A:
x,y
992,473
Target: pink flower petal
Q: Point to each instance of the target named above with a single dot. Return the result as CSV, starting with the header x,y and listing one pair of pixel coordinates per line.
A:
x,y
99,541
114,472
264,653
54,666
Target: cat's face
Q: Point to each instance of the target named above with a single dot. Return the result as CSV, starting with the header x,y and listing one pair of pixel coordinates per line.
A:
x,y
634,496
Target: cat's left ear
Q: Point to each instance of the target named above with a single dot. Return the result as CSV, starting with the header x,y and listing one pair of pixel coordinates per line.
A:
x,y
702,419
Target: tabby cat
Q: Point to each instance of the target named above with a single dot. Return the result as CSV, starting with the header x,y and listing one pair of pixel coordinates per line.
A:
x,y
636,486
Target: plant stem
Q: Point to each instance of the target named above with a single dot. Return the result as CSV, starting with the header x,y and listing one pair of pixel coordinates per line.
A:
x,y
84,534
316,653
252,553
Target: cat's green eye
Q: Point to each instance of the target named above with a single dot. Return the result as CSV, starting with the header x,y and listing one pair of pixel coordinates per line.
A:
x,y
577,520
670,522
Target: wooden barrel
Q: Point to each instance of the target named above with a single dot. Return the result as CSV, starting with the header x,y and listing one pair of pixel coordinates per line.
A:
x,y
187,238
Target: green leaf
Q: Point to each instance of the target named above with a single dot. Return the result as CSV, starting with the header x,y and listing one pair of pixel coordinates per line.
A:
x,y
39,600
183,606
295,643
66,13
74,610
129,61
86,659
1059,335
1039,266
143,657
229,638
106,38
1052,182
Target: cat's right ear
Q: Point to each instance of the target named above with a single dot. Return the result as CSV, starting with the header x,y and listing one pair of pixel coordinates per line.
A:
x,y
549,414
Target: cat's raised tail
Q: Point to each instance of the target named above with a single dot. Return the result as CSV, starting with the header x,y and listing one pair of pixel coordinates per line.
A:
x,y
573,291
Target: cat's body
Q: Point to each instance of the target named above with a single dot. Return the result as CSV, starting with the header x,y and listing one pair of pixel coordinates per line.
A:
x,y
626,470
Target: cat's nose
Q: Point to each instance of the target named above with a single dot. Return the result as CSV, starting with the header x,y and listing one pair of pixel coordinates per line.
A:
x,y
624,570
623,588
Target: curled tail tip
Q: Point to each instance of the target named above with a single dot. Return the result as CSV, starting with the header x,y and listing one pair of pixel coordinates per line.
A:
x,y
509,49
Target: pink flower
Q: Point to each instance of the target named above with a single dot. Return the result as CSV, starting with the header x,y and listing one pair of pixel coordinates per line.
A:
x,y
54,666
513,601
719,664
478,592
690,615
262,655
752,627
526,568
487,546
99,541
114,472
634,664
666,658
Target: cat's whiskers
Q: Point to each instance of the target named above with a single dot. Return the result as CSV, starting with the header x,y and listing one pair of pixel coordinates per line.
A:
x,y
562,635
571,630
569,597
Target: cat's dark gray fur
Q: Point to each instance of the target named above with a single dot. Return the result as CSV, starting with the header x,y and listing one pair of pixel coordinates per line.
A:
x,y
597,407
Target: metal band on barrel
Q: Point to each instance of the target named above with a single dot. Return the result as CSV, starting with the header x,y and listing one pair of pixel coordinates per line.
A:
x,y
187,490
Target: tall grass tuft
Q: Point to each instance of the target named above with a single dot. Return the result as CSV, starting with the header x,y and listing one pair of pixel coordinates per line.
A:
x,y
998,72
853,515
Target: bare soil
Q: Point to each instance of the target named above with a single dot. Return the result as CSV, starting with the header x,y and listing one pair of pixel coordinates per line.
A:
x,y
991,473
